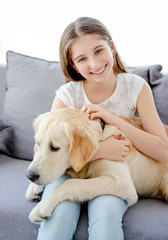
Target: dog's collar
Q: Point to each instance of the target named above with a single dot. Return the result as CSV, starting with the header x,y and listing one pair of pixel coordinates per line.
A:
x,y
102,123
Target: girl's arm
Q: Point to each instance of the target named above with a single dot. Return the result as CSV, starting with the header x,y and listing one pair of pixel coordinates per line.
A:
x,y
153,141
57,103
112,149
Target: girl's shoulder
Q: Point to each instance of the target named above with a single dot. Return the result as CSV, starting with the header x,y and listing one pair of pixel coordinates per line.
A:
x,y
130,78
131,85
70,93
70,86
130,81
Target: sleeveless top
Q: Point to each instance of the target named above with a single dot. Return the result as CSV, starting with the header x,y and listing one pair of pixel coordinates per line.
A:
x,y
122,102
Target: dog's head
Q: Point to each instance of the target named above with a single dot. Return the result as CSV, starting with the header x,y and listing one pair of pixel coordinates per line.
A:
x,y
64,138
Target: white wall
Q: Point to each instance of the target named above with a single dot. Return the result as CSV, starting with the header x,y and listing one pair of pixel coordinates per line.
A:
x,y
33,27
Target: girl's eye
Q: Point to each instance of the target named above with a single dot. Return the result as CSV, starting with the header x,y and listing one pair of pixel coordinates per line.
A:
x,y
81,59
99,51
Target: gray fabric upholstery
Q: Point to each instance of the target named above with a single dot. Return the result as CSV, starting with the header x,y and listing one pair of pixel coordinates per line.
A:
x,y
14,209
144,71
31,85
146,220
3,69
159,85
3,125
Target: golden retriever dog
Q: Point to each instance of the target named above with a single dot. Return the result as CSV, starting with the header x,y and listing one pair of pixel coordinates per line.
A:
x,y
64,142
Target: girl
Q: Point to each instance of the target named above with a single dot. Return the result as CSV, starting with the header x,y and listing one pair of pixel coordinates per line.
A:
x,y
100,85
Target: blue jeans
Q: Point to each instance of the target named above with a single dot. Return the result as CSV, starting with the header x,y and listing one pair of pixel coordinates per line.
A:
x,y
105,217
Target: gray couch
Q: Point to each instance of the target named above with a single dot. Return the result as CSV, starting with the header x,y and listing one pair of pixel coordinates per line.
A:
x,y
27,88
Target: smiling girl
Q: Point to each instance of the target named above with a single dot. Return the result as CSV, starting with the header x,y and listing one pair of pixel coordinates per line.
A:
x,y
100,85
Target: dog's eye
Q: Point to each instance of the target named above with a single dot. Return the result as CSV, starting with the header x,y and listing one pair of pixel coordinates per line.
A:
x,y
54,149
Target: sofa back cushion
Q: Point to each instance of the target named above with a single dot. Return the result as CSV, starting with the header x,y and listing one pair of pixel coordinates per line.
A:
x,y
159,85
31,85
3,69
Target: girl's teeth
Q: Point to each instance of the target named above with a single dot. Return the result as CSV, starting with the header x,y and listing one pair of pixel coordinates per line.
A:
x,y
99,71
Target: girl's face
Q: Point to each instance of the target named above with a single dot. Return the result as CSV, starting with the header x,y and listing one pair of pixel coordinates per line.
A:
x,y
93,57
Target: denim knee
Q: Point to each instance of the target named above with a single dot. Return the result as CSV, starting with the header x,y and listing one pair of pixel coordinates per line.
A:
x,y
105,218
63,221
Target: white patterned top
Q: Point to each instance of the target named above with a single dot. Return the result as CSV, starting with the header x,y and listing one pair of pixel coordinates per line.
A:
x,y
122,102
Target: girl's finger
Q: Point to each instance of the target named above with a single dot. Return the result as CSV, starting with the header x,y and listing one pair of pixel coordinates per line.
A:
x,y
84,108
94,115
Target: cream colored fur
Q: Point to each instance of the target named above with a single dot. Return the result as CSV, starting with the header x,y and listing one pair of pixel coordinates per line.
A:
x,y
65,140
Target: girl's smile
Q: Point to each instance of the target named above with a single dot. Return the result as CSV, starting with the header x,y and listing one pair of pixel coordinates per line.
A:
x,y
99,72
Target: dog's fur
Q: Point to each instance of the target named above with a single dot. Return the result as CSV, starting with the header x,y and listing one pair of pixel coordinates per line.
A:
x,y
65,140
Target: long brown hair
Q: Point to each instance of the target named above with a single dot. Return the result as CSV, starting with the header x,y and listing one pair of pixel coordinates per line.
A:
x,y
82,26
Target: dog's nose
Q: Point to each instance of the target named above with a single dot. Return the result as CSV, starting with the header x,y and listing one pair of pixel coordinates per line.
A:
x,y
33,176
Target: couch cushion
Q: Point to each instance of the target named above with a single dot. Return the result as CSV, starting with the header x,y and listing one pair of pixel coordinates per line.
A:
x,y
144,71
14,208
31,85
159,85
3,125
146,220
3,69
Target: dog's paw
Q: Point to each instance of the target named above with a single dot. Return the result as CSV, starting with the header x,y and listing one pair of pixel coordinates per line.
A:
x,y
132,199
163,190
115,132
34,192
41,212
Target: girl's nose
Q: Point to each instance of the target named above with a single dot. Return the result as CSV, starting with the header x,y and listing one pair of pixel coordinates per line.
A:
x,y
92,63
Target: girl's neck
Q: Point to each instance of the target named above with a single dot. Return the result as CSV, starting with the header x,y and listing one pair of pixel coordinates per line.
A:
x,y
98,92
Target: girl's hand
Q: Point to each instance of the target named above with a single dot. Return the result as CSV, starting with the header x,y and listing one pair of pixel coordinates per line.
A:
x,y
96,111
112,149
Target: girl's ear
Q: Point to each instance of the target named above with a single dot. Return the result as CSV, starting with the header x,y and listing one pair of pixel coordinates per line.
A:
x,y
111,45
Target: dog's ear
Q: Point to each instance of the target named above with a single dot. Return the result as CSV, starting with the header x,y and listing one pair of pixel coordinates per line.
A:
x,y
36,123
81,149
39,119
